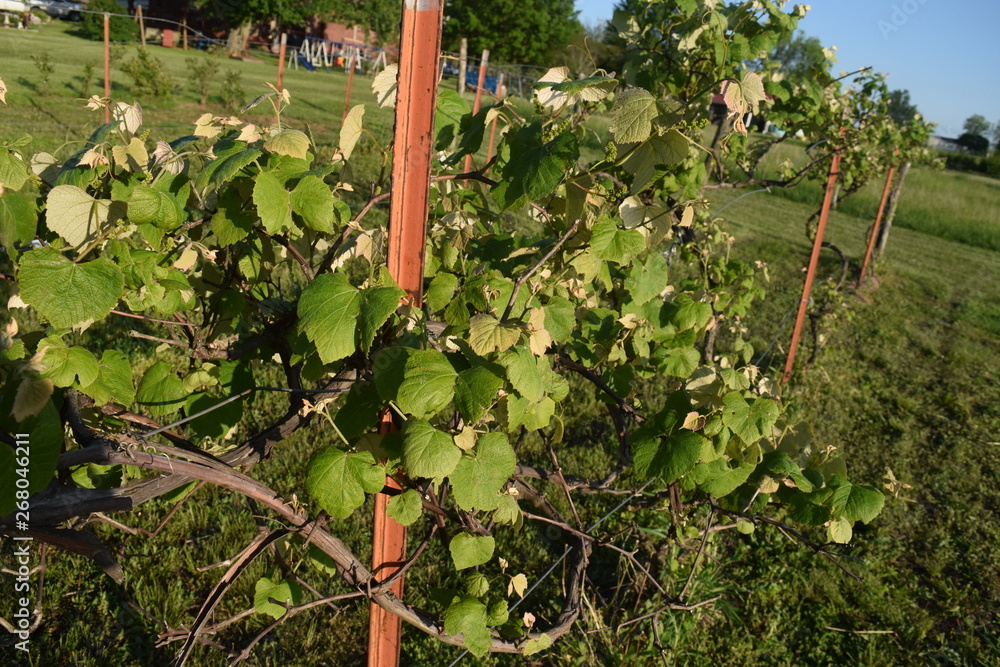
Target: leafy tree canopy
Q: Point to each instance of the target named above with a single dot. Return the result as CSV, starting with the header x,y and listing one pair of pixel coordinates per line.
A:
x,y
976,143
286,12
900,108
514,31
977,125
380,16
799,55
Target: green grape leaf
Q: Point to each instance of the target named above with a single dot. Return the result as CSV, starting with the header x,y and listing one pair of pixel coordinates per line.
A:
x,y
405,508
840,531
689,314
478,479
854,501
632,116
294,143
467,616
428,383
87,291
646,280
328,313
65,364
471,550
160,391
535,168
751,421
560,318
488,334
428,452
441,291
18,219
274,203
451,108
338,480
475,392
523,373
680,361
616,245
148,206
313,202
286,590
227,166
231,222
533,646
718,480
507,512
377,305
45,439
14,173
74,215
667,149
668,457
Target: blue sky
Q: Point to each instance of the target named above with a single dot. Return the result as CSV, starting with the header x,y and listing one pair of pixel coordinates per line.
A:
x,y
945,53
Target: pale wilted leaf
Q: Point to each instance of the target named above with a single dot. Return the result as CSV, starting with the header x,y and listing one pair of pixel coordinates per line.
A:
x,y
32,395
384,86
351,130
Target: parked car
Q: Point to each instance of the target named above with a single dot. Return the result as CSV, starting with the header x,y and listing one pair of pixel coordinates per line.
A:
x,y
61,9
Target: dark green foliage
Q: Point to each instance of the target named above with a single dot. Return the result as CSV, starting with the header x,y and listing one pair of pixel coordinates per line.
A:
x,y
233,94
120,28
976,143
900,108
799,55
514,31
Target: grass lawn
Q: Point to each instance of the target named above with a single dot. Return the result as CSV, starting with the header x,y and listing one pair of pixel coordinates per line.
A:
x,y
907,378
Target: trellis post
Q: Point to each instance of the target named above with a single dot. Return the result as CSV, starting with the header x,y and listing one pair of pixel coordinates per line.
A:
x,y
419,52
875,227
831,187
107,66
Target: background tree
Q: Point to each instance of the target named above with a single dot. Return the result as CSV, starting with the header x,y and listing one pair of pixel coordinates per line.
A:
x,y
515,31
900,108
120,29
590,49
799,55
240,17
976,128
977,124
380,16
996,135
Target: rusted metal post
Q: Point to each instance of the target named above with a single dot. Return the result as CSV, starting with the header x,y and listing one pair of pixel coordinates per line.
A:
x,y
350,82
419,51
281,59
831,186
107,65
479,98
875,227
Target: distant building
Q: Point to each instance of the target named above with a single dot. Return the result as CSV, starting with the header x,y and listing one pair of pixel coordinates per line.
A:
x,y
945,144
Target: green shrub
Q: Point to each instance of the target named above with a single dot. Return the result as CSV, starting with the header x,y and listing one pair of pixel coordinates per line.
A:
x,y
120,28
43,61
233,94
203,71
148,76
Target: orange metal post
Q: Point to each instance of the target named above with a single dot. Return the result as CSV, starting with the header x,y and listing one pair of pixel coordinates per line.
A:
x,y
831,186
281,59
419,52
350,81
479,98
878,221
107,65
